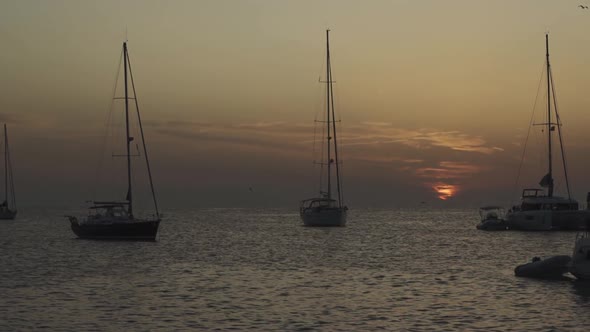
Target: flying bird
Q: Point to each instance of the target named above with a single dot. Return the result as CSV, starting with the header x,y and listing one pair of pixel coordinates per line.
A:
x,y
583,7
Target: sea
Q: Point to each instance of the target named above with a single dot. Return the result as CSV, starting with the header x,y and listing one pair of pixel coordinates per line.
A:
x,y
261,270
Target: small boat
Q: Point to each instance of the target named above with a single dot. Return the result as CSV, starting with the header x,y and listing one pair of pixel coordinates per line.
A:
x,y
541,209
549,268
581,257
491,219
115,219
327,209
8,206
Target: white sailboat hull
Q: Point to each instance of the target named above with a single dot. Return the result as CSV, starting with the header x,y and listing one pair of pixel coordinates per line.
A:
x,y
544,220
581,258
328,217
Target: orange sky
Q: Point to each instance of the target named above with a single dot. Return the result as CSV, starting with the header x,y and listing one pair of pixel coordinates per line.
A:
x,y
434,96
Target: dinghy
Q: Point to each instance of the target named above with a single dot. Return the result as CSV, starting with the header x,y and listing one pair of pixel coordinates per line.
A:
x,y
552,267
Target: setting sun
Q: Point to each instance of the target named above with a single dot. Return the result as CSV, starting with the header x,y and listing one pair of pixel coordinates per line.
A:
x,y
445,191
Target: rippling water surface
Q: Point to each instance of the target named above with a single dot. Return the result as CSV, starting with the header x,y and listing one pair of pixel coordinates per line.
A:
x,y
261,270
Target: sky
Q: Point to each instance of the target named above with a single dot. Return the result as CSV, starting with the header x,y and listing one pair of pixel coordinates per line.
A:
x,y
435,97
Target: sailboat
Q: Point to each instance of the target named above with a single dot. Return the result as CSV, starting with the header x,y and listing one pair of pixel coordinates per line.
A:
x,y
115,219
327,209
540,209
8,207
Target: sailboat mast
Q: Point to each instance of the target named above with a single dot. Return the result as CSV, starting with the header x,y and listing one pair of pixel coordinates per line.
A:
x,y
550,173
5,165
128,138
328,86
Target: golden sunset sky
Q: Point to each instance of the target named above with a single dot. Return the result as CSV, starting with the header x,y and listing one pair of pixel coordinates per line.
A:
x,y
435,97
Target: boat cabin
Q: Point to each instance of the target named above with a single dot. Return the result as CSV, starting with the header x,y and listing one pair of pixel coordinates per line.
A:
x,y
535,199
108,210
491,212
318,204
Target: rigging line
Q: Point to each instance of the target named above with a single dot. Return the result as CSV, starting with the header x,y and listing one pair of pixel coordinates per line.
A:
x,y
10,175
335,140
102,148
339,124
12,188
143,138
563,158
340,183
9,181
328,138
313,151
5,165
321,140
541,140
5,153
319,153
318,140
322,152
529,131
319,112
129,196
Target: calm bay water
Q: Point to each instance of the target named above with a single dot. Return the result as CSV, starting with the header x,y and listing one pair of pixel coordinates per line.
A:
x,y
261,270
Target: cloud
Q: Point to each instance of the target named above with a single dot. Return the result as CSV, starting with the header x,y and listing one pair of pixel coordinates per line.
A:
x,y
449,170
258,125
272,136
454,140
420,155
368,133
377,123
381,133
